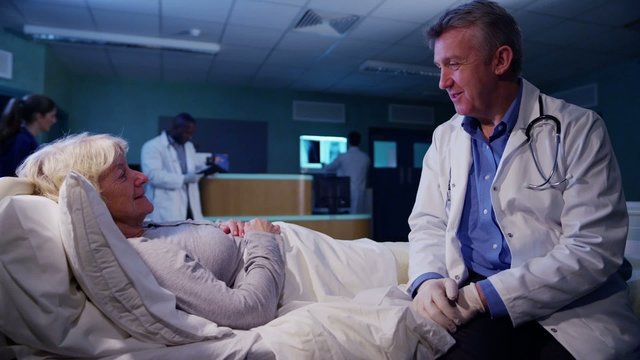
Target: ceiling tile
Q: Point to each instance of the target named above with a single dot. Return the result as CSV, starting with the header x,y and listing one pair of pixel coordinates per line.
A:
x,y
258,47
407,55
251,36
291,57
357,49
126,23
360,7
242,53
147,7
383,30
418,11
566,9
69,17
179,28
531,23
262,14
313,44
567,33
207,10
614,13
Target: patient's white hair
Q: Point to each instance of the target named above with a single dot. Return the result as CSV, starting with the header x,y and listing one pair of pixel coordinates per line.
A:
x,y
87,154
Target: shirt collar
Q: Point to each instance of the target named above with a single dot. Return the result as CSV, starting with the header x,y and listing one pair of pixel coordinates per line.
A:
x,y
172,141
508,122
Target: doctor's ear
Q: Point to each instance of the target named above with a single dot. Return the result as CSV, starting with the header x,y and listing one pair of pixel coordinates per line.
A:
x,y
502,60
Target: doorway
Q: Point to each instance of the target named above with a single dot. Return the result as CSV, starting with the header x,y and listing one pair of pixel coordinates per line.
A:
x,y
395,174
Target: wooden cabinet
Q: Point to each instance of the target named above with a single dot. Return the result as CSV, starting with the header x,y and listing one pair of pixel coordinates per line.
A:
x,y
275,197
256,194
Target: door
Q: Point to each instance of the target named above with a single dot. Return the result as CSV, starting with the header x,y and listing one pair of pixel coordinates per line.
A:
x,y
395,174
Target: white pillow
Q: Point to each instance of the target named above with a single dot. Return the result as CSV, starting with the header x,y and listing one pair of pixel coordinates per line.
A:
x,y
114,276
40,304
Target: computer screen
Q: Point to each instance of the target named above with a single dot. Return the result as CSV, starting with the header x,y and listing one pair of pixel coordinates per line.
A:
x,y
331,194
316,150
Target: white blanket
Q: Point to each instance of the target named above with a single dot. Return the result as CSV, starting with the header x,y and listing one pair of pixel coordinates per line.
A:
x,y
341,300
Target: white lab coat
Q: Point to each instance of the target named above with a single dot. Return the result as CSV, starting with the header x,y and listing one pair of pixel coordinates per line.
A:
x,y
567,243
354,163
166,188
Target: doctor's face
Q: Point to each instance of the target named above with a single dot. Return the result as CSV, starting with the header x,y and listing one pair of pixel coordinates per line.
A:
x,y
123,192
465,72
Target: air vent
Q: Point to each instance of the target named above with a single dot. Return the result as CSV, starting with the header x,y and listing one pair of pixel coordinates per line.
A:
x,y
410,114
325,23
318,111
398,69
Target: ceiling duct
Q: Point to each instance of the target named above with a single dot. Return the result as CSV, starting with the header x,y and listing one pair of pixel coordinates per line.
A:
x,y
50,34
399,69
325,23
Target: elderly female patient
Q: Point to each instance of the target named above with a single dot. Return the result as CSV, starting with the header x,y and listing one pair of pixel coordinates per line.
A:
x,y
233,281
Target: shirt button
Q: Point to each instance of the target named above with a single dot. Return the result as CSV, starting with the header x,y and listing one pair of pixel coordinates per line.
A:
x,y
495,188
485,211
494,246
486,177
554,330
510,235
457,277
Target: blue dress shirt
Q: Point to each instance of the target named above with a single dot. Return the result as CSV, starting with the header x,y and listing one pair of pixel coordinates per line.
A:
x,y
484,248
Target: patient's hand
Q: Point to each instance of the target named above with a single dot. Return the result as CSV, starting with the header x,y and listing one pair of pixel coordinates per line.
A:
x,y
436,300
233,227
262,225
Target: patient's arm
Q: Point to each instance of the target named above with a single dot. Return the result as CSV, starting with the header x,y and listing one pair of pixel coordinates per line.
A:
x,y
191,275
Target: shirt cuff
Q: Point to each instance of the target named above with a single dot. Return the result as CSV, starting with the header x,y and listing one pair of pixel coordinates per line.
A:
x,y
413,289
496,306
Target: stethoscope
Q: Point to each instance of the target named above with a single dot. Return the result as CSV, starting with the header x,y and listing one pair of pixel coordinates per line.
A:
x,y
542,120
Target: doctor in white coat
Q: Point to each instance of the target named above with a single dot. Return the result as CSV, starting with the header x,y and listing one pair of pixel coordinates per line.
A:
x,y
355,164
168,160
517,259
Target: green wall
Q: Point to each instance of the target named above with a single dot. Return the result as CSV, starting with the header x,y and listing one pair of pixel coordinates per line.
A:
x,y
619,105
28,65
132,109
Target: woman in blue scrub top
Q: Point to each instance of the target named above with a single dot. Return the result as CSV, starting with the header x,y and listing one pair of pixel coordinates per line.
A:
x,y
22,120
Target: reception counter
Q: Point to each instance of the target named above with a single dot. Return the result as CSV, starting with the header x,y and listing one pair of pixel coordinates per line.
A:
x,y
256,194
275,197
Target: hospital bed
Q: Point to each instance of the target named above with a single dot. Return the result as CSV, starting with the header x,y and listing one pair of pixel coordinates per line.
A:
x,y
72,287
66,291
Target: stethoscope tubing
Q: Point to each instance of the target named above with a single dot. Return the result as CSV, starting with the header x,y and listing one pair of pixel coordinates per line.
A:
x,y
541,120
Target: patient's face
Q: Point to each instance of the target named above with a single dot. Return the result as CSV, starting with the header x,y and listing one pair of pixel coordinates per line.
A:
x,y
123,193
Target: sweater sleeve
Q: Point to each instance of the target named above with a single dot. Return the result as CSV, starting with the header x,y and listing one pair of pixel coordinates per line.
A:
x,y
251,302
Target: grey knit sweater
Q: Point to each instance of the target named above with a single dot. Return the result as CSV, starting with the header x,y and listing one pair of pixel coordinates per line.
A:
x,y
234,282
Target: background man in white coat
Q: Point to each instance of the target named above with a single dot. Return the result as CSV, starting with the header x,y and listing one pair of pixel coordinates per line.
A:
x,y
516,244
168,160
355,164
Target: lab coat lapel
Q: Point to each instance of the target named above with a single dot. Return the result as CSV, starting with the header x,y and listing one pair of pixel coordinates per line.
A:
x,y
461,160
518,138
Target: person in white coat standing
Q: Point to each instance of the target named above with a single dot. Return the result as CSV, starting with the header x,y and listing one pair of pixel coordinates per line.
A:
x,y
519,225
355,164
169,161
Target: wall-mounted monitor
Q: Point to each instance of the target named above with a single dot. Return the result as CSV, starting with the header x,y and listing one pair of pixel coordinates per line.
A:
x,y
316,150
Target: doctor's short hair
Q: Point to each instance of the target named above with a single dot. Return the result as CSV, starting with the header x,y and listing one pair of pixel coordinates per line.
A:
x,y
87,154
354,138
182,118
496,28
